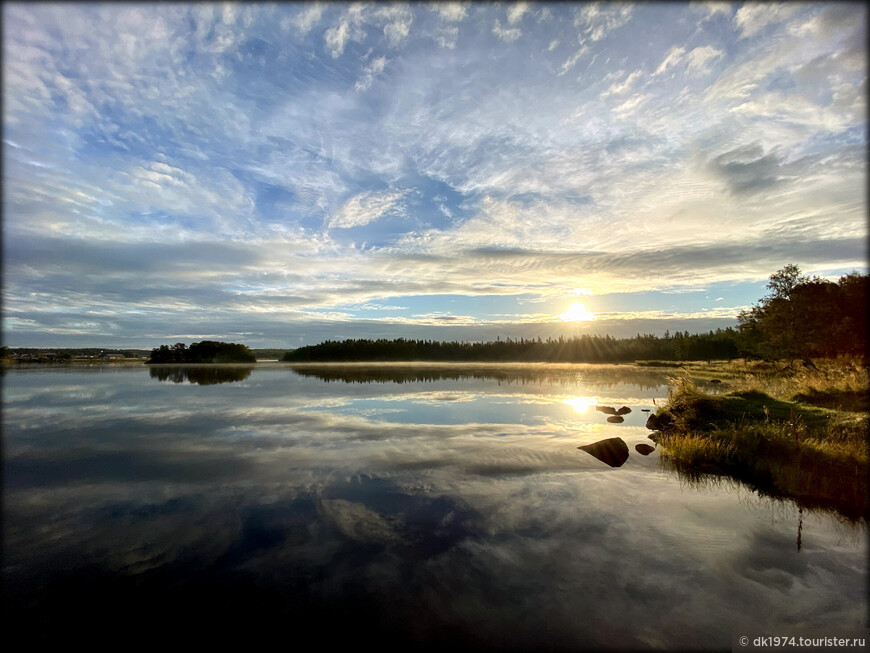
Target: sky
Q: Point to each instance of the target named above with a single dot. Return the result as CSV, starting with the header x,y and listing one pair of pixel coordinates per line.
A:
x,y
283,174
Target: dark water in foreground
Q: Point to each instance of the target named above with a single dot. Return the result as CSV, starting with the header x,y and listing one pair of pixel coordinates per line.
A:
x,y
428,508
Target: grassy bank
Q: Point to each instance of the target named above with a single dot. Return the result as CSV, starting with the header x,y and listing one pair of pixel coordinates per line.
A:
x,y
799,433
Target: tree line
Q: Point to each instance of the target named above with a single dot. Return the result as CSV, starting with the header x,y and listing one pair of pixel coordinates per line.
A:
x,y
799,318
717,344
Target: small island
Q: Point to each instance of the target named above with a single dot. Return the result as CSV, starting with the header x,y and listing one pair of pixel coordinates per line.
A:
x,y
207,351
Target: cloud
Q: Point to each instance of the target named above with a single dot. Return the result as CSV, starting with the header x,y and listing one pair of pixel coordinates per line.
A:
x,y
632,103
350,28
451,11
306,19
753,17
571,61
446,36
365,208
506,34
597,20
696,59
712,8
672,58
747,169
337,37
397,32
515,12
398,19
86,257
621,87
375,68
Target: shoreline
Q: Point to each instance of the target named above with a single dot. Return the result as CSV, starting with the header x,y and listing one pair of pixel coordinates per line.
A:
x,y
800,436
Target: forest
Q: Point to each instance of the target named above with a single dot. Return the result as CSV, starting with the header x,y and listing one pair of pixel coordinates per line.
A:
x,y
803,317
592,349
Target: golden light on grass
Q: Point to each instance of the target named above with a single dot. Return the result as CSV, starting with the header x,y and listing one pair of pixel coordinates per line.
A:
x,y
577,313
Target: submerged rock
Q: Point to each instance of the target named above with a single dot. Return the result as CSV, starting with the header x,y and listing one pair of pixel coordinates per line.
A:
x,y
610,410
616,419
612,451
644,449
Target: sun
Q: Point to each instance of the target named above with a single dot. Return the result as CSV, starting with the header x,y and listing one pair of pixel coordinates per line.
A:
x,y
577,313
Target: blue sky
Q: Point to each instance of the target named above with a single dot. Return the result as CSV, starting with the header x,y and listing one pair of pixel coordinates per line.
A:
x,y
282,174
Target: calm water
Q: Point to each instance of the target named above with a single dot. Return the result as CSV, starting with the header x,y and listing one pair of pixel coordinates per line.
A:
x,y
444,507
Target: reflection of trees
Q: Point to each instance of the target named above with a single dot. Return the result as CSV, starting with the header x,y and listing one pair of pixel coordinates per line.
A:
x,y
603,376
200,375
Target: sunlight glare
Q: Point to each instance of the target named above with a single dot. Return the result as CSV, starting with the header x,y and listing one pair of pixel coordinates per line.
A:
x,y
580,404
577,313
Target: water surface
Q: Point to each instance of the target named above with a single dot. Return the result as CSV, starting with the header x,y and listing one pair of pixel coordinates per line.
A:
x,y
422,506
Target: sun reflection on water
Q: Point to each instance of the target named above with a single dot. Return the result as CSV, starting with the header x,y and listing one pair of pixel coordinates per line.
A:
x,y
580,404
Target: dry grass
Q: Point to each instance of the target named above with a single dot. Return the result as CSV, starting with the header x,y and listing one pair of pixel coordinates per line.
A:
x,y
773,431
829,377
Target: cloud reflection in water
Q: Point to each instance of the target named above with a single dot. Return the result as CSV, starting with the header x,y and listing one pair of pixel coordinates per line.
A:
x,y
237,510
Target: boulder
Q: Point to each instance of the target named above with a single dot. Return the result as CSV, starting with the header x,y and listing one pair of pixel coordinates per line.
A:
x,y
644,449
612,451
610,410
625,410
616,419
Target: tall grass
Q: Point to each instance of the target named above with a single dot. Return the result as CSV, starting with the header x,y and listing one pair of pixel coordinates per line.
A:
x,y
841,384
773,432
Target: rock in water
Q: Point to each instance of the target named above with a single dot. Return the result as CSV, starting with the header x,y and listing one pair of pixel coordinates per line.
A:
x,y
612,451
644,449
616,419
625,410
610,410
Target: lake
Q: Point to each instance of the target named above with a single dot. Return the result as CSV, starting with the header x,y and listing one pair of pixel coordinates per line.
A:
x,y
412,507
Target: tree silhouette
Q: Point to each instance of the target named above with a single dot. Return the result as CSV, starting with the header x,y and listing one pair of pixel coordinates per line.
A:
x,y
802,317
207,351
